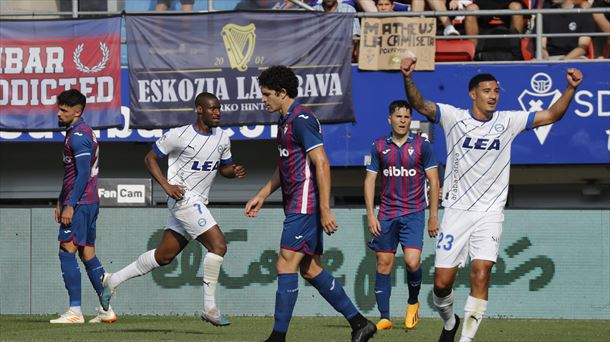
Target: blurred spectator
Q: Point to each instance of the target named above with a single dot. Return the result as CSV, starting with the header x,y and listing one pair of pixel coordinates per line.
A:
x,y
164,5
602,21
335,6
257,5
472,23
566,47
384,5
363,5
436,5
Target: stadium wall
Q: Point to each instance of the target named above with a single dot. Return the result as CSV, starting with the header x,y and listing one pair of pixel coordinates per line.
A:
x,y
553,264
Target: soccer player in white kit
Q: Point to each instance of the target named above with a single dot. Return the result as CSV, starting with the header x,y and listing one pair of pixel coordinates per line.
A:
x,y
196,152
475,188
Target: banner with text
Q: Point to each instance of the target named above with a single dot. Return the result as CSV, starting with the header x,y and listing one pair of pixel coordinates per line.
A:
x,y
174,58
386,41
40,59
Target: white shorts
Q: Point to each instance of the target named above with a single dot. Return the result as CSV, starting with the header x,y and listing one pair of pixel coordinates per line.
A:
x,y
189,217
466,233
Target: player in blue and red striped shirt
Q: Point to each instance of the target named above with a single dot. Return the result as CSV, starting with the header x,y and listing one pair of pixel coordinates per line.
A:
x,y
78,207
405,161
304,175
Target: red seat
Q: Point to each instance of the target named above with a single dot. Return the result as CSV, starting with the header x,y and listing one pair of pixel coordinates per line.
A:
x,y
454,51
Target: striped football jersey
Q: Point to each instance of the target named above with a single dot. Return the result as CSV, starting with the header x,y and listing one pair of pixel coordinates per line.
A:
x,y
478,156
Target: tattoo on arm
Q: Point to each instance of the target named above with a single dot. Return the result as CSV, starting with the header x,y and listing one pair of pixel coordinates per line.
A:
x,y
425,107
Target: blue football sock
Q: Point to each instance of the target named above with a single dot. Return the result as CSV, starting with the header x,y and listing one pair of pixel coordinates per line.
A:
x,y
95,271
383,291
71,275
414,282
332,290
285,299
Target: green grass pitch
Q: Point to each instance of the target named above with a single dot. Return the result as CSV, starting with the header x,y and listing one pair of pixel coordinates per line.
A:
x,y
188,328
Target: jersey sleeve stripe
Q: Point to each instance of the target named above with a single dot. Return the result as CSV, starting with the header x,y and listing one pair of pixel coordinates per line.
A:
x,y
530,121
82,154
371,171
314,146
226,161
431,167
157,151
437,119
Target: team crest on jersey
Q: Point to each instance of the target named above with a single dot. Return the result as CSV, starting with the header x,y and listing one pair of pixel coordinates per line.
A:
x,y
410,150
221,148
67,159
541,97
499,128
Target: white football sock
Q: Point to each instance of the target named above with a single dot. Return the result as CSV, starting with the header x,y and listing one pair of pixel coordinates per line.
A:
x,y
473,314
211,270
144,264
76,310
444,306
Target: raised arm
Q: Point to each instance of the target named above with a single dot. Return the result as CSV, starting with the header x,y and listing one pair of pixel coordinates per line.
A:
x,y
423,106
558,109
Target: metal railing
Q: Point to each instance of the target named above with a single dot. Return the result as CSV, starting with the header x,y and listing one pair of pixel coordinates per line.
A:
x,y
537,14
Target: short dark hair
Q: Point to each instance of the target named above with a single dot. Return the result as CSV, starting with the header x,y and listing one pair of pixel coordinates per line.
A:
x,y
280,77
474,82
72,98
391,1
205,95
399,104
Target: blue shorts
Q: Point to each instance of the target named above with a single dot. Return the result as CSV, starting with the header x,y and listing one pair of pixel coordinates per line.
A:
x,y
303,233
82,229
408,229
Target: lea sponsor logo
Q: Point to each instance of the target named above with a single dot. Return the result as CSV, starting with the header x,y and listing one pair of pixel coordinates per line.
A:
x,y
207,165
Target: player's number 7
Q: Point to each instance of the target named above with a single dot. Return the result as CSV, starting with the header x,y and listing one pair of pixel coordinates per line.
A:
x,y
198,206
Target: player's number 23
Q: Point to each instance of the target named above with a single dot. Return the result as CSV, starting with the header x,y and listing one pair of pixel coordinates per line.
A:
x,y
448,243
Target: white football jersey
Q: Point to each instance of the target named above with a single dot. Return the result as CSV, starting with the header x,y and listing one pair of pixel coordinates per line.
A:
x,y
194,157
478,156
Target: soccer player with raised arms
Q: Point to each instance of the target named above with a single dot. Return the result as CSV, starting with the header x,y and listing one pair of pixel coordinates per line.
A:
x,y
475,188
78,207
405,161
196,153
303,173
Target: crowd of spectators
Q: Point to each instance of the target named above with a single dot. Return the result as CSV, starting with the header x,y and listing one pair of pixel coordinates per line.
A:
x,y
465,21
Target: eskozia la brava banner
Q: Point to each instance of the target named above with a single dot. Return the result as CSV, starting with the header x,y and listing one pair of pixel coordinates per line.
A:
x,y
174,58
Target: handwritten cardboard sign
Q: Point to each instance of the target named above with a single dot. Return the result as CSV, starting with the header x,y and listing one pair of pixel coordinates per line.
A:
x,y
385,42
